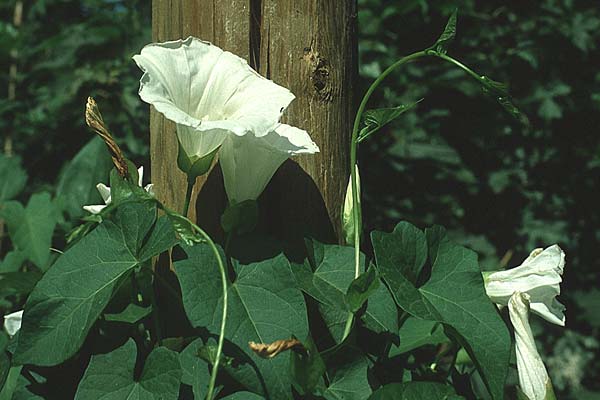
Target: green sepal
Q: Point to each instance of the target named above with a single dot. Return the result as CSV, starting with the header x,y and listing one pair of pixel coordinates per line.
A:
x,y
194,167
550,395
240,217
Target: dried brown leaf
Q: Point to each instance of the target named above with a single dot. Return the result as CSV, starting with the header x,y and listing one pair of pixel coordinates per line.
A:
x,y
270,350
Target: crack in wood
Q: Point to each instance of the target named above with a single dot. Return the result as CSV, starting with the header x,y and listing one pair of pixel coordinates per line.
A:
x,y
255,37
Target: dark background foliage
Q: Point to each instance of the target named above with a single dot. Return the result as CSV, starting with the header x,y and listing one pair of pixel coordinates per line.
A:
x,y
457,159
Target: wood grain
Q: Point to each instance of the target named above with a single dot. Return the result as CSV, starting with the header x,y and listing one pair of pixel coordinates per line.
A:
x,y
308,46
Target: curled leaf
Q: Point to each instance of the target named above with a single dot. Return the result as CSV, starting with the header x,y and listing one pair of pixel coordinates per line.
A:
x,y
441,45
377,118
270,350
499,91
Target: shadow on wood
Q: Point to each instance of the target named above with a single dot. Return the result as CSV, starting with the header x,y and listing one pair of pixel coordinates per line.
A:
x,y
291,207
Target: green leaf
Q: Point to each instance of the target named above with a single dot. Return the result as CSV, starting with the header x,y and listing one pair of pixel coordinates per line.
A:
x,y
127,189
110,376
307,368
18,283
416,332
74,291
447,37
349,380
264,306
161,239
10,384
184,228
31,228
381,314
415,391
12,177
131,314
12,261
194,369
243,396
454,295
77,184
361,288
4,367
400,257
333,273
377,118
499,91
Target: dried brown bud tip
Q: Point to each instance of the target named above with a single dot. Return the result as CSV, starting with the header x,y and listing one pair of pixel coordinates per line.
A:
x,y
94,120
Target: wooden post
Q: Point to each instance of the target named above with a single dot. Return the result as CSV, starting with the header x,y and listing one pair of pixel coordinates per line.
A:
x,y
308,46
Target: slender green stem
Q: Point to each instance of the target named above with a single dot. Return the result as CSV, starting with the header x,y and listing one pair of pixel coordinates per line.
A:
x,y
459,65
348,326
188,196
356,212
354,148
213,376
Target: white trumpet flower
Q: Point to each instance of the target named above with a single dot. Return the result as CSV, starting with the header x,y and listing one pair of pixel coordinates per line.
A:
x,y
249,162
534,381
209,93
105,193
539,276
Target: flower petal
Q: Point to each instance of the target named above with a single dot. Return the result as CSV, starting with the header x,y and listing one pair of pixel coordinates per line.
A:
x,y
198,144
207,91
249,162
552,311
12,322
140,175
174,79
550,259
235,92
533,377
292,140
539,276
94,209
104,192
149,188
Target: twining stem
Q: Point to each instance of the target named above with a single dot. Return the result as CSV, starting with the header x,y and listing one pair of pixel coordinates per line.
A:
x,y
354,147
188,196
213,375
356,214
354,177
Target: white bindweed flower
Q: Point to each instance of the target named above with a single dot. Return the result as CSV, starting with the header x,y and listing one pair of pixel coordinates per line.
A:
x,y
539,276
105,193
249,162
209,93
12,322
533,377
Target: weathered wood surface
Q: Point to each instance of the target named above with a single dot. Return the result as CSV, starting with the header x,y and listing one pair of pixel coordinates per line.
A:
x,y
308,46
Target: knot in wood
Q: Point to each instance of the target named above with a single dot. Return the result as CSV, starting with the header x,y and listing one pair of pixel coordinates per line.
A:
x,y
320,78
